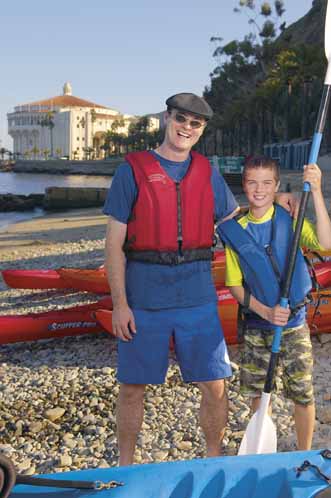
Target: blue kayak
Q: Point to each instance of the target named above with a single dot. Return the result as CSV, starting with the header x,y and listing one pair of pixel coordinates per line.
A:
x,y
252,476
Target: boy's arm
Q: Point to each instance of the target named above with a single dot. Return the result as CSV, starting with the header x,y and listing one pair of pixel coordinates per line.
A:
x,y
313,175
234,279
276,315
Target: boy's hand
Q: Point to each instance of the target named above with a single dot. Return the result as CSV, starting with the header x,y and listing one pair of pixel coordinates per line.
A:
x,y
278,315
313,175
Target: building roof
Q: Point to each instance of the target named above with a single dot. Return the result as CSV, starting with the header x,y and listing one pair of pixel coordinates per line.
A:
x,y
65,101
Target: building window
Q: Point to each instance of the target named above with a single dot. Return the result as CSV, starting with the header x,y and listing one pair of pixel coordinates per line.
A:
x,y
78,126
77,138
83,138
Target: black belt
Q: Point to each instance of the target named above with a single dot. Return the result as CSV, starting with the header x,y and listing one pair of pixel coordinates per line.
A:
x,y
170,258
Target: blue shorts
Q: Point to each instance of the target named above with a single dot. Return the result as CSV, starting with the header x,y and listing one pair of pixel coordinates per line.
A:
x,y
199,345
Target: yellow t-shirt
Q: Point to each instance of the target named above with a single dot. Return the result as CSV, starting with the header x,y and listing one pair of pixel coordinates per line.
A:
x,y
262,233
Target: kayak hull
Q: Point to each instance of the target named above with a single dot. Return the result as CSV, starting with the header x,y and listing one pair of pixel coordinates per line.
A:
x,y
90,280
72,321
252,476
86,280
34,279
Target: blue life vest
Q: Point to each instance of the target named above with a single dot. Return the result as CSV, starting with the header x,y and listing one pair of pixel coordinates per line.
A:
x,y
264,268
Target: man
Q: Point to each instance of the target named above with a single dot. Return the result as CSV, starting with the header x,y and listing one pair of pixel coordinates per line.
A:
x,y
162,206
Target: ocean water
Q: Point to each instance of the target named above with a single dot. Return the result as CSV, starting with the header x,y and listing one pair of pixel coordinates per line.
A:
x,y
7,219
33,183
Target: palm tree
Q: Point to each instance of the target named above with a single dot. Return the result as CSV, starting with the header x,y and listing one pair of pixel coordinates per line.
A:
x,y
48,122
46,153
58,152
3,151
93,119
35,151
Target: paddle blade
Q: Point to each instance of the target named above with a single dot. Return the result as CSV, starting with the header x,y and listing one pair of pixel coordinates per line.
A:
x,y
258,440
260,435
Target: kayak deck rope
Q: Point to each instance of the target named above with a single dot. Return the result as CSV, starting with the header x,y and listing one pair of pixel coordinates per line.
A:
x,y
66,483
307,465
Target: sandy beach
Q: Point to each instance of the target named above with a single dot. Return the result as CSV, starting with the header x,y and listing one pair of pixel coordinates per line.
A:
x,y
57,397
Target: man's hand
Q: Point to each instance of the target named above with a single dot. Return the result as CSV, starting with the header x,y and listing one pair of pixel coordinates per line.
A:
x,y
278,315
123,323
289,202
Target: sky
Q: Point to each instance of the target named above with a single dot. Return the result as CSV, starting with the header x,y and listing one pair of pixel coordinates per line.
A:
x,y
129,55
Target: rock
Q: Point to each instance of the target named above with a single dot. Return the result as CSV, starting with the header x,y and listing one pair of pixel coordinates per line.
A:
x,y
24,465
324,415
159,455
65,461
54,413
35,427
184,445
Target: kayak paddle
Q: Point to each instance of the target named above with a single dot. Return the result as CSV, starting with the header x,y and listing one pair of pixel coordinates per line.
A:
x,y
261,435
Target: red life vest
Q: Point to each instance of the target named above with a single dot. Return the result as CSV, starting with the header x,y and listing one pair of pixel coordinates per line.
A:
x,y
172,222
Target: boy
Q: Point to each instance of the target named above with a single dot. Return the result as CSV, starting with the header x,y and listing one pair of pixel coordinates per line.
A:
x,y
256,257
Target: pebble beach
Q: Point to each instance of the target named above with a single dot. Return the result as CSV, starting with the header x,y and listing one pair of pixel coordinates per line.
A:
x,y
57,396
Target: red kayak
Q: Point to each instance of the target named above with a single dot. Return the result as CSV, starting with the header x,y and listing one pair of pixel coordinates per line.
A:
x,y
72,321
95,317
34,279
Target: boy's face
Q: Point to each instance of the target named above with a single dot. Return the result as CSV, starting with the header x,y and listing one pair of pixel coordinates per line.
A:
x,y
260,187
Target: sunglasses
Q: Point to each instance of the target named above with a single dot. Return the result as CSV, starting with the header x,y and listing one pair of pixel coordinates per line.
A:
x,y
194,123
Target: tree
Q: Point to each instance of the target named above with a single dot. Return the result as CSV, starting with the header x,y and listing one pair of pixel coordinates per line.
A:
x,y
35,151
262,89
58,152
46,153
93,119
88,152
3,151
48,122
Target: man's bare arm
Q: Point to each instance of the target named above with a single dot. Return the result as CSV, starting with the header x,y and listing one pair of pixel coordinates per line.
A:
x,y
123,320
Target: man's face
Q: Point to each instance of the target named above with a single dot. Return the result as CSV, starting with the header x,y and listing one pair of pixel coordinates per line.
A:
x,y
260,187
183,129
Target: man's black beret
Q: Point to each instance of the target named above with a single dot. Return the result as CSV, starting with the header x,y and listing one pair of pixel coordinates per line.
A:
x,y
190,103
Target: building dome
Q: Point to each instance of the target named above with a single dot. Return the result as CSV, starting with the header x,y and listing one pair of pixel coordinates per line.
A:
x,y
67,89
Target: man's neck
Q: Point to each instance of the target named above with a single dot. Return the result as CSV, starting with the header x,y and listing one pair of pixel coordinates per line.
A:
x,y
171,154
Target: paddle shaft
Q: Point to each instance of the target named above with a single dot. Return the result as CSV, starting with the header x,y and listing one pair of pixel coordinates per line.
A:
x,y
313,156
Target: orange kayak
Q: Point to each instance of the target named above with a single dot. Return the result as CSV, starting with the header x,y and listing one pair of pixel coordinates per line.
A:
x,y
86,280
91,280
318,310
227,310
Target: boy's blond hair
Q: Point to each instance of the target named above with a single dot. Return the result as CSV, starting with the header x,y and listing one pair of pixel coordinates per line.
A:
x,y
265,162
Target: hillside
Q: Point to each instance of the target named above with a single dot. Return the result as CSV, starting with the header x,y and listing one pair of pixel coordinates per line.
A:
x,y
309,29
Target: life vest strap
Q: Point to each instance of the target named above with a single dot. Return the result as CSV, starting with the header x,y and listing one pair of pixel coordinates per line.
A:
x,y
171,258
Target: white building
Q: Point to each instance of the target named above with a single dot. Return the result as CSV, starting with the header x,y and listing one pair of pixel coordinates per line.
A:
x,y
64,126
